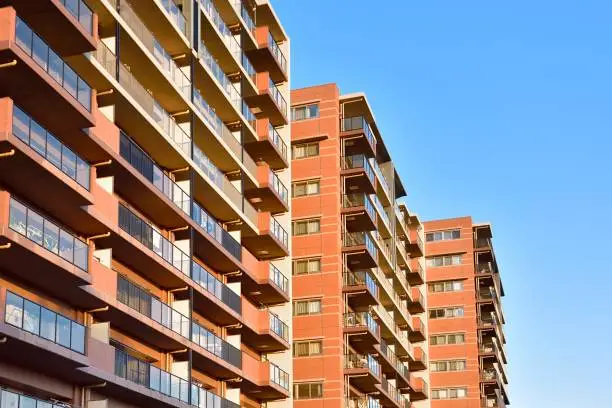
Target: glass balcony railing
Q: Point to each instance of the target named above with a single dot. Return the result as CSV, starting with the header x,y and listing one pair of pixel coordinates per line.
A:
x,y
394,393
357,161
51,62
228,87
277,141
216,287
279,279
279,232
360,238
214,229
13,399
362,361
248,66
176,15
143,302
244,13
81,12
42,322
153,240
360,278
131,152
36,228
208,167
216,345
359,123
361,319
279,376
399,366
278,98
362,402
277,53
359,200
45,144
381,178
279,327
381,210
226,34
278,186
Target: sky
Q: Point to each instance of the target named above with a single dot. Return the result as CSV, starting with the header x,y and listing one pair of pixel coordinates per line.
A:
x,y
501,110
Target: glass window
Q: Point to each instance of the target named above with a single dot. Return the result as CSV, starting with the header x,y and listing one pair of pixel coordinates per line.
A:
x,y
304,150
35,227
84,94
66,247
63,331
47,326
31,317
51,236
14,309
21,125
305,112
54,151
18,217
38,138
305,227
443,235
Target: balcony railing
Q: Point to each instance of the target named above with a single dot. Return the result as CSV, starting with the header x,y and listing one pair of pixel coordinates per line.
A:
x,y
228,87
278,186
226,34
45,144
360,278
48,235
131,152
278,98
381,178
489,374
384,246
489,348
381,210
277,53
388,319
153,240
176,15
485,267
394,393
279,232
360,238
487,294
279,327
280,280
362,361
482,243
362,402
359,123
216,345
361,319
357,161
51,62
399,366
42,322
277,141
143,302
215,287
81,12
359,200
214,229
279,376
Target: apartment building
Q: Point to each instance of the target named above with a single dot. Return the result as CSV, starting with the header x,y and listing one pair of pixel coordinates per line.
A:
x,y
359,325
466,336
144,209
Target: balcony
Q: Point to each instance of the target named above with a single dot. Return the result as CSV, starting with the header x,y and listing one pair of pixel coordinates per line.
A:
x,y
269,56
263,330
493,399
46,166
40,78
362,402
210,291
416,247
264,380
391,331
363,329
483,244
363,371
417,301
416,274
392,366
358,136
31,243
491,349
358,174
269,147
418,332
419,362
419,390
273,241
269,102
271,194
360,287
358,212
74,24
390,397
360,249
488,321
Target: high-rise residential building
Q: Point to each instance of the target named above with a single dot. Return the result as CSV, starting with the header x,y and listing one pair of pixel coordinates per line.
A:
x,y
359,324
144,252
466,337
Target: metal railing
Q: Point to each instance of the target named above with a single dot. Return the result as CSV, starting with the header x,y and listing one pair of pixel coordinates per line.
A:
x,y
360,238
277,141
359,200
52,63
390,322
484,267
27,222
280,280
360,278
216,345
399,366
277,53
278,98
279,327
48,146
222,79
393,393
357,161
44,323
278,186
361,319
279,376
211,11
362,402
176,15
214,229
81,12
279,232
217,288
381,178
11,399
144,233
359,123
368,361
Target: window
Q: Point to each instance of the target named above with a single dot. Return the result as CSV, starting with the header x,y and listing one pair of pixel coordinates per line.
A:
x,y
448,365
304,150
444,260
306,188
305,112
306,266
307,227
449,393
449,338
307,390
443,235
307,348
446,286
306,307
446,312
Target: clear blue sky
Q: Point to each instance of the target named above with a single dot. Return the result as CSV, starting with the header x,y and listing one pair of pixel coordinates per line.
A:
x,y
501,110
